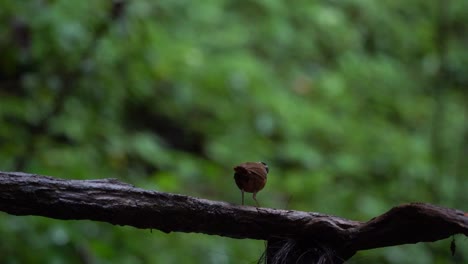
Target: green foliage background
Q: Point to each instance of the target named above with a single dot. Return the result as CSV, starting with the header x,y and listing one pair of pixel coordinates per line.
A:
x,y
356,105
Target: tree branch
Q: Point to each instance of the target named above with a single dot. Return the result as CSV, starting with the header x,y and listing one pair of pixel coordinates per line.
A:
x,y
109,200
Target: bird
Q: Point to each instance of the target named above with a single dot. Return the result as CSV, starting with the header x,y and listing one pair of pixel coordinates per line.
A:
x,y
251,177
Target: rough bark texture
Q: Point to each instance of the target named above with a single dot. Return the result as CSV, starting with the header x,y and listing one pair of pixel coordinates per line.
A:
x,y
109,200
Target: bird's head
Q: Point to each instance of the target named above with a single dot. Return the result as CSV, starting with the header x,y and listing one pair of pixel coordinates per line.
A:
x,y
266,166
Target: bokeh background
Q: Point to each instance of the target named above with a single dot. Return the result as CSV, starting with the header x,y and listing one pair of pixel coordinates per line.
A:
x,y
356,105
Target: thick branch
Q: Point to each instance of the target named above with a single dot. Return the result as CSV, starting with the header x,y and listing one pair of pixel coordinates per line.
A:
x,y
111,201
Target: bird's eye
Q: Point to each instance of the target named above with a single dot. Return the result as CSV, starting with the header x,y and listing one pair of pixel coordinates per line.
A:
x,y
266,166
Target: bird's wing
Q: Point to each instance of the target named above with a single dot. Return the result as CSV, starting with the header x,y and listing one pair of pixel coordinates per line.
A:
x,y
255,170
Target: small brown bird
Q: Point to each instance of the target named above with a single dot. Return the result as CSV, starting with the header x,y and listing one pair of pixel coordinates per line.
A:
x,y
251,177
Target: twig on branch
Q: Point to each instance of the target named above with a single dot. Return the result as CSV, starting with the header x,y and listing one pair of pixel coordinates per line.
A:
x,y
109,200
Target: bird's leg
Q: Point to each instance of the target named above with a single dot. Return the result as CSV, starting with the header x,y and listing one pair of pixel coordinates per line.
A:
x,y
242,196
255,198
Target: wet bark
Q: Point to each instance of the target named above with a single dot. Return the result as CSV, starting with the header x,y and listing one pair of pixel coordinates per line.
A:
x,y
302,235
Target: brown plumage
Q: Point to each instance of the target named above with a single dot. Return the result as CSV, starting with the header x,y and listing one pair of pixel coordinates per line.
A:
x,y
251,177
